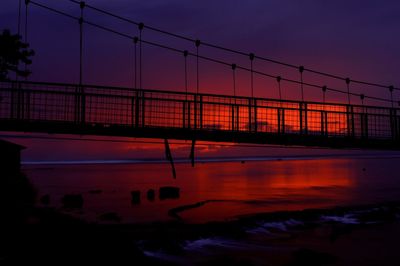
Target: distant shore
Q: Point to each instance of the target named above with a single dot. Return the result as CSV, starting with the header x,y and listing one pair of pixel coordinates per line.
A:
x,y
217,159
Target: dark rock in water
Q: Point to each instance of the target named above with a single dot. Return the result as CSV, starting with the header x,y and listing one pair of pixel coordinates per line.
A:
x,y
304,256
169,192
95,191
151,194
110,217
72,201
135,196
45,199
242,162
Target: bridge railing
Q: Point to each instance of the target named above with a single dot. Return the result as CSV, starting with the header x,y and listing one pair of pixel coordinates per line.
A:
x,y
110,106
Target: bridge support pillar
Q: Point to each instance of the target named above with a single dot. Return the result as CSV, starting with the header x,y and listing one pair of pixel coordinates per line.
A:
x,y
168,154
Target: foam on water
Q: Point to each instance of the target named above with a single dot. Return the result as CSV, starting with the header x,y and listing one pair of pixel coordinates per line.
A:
x,y
346,219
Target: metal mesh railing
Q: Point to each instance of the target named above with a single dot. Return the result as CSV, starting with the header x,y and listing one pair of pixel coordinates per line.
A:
x,y
108,106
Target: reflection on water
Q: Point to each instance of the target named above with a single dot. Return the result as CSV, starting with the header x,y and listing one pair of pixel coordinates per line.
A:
x,y
227,189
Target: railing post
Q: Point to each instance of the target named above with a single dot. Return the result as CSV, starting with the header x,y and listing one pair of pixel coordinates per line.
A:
x,y
189,114
18,106
21,102
398,126
394,126
133,111
250,120
137,100
237,118
305,113
201,111
350,120
281,121
143,108
28,105
255,115
364,125
12,95
233,117
303,117
77,104
183,114
83,106
195,111
324,123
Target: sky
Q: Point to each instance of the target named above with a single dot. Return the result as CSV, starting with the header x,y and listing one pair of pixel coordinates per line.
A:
x,y
356,39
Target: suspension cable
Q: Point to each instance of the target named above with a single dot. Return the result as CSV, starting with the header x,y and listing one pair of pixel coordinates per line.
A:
x,y
197,43
140,26
135,41
301,70
185,54
348,90
204,57
19,34
278,79
19,17
26,34
82,6
233,50
234,79
251,56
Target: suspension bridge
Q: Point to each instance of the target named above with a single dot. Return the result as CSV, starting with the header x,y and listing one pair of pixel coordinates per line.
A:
x,y
84,109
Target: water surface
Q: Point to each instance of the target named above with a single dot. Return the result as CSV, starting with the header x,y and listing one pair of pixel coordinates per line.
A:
x,y
230,188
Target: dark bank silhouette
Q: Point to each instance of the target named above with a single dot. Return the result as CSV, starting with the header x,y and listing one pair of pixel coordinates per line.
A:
x,y
10,157
32,235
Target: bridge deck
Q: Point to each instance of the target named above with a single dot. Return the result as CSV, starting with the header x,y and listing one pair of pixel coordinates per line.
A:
x,y
111,111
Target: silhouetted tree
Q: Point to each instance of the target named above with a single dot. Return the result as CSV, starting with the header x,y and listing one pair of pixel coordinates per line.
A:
x,y
13,52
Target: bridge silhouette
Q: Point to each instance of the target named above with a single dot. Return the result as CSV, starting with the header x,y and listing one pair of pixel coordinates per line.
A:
x,y
60,108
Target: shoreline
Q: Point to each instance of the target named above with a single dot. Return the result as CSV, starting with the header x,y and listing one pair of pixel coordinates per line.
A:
x,y
342,235
311,236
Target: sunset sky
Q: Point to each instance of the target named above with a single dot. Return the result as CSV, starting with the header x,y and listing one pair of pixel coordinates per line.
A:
x,y
355,39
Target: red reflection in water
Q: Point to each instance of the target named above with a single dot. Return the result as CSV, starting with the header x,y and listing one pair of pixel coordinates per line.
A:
x,y
235,188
